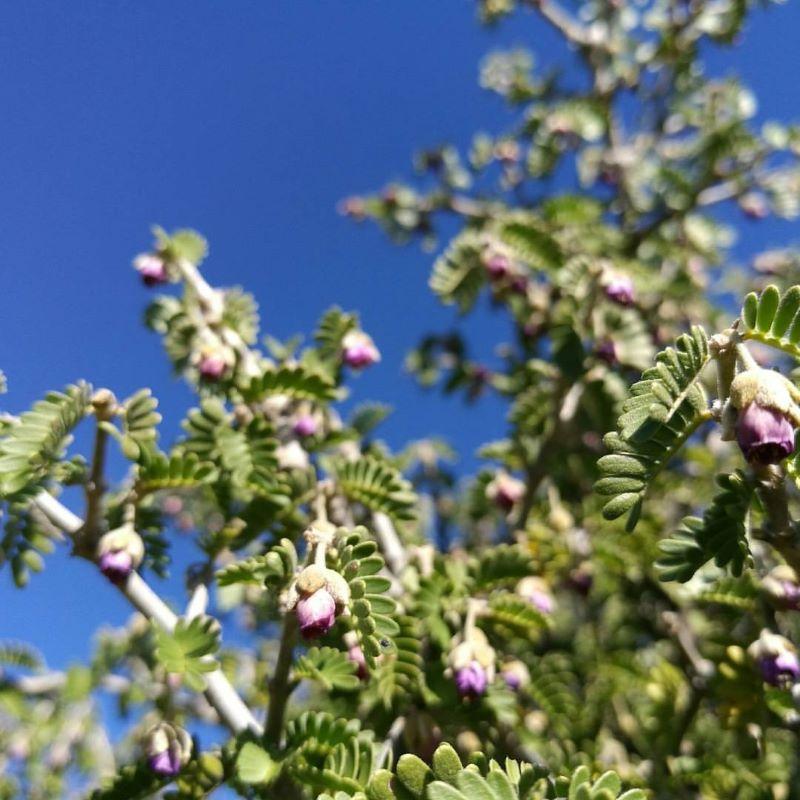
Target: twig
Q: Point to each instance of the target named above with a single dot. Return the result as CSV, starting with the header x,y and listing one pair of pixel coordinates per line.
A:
x,y
219,692
279,690
392,548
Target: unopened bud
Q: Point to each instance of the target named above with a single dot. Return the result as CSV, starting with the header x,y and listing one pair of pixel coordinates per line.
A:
x,y
119,552
359,351
151,268
168,749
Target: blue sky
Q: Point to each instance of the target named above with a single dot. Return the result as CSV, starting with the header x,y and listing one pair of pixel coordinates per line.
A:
x,y
247,121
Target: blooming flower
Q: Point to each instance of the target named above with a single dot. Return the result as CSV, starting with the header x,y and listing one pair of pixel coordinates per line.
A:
x,y
151,268
168,749
359,351
620,290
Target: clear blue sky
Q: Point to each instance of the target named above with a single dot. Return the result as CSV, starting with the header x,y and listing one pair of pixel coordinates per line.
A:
x,y
248,121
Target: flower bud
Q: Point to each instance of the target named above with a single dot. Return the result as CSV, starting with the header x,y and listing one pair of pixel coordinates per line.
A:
x,y
305,425
356,655
515,674
212,366
472,664
471,681
497,265
119,552
776,658
620,289
291,456
316,613
168,749
782,586
359,351
536,591
607,351
767,415
151,268
505,491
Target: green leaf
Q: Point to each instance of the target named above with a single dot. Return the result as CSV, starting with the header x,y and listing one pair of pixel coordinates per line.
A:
x,y
275,568
254,765
30,448
458,274
531,243
773,319
297,382
377,485
181,244
500,566
187,649
157,471
721,534
139,421
664,408
329,667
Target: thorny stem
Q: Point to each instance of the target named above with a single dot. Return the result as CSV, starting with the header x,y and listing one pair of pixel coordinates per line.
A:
x,y
219,692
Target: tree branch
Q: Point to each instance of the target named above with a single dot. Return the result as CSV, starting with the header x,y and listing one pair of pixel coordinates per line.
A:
x,y
219,692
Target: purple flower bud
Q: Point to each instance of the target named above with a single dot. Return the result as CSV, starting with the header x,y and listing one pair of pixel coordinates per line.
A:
x,y
515,674
212,367
505,491
471,681
359,351
305,425
765,435
151,269
166,764
620,290
607,351
116,565
497,266
781,669
316,613
356,655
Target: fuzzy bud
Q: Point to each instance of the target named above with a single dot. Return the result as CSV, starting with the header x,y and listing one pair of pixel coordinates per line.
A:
x,y
359,351
168,749
305,425
515,674
316,613
212,366
119,552
151,268
318,596
767,415
620,289
536,591
782,587
472,664
505,491
776,658
471,680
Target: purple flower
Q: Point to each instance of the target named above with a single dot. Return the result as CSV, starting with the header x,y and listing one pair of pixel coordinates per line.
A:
x,y
780,669
151,269
620,290
212,367
316,613
305,425
116,565
765,435
471,681
359,351
167,764
515,674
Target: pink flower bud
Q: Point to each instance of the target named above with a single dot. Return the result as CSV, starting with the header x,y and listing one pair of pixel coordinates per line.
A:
x,y
356,655
305,425
212,367
151,269
505,491
471,681
116,565
168,749
359,351
766,436
316,613
620,290
497,266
